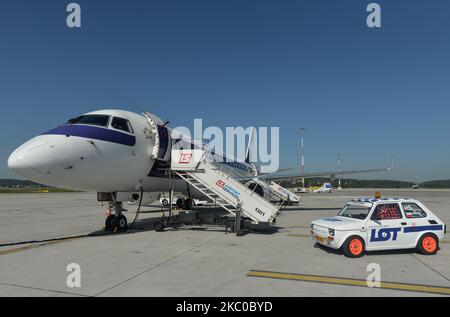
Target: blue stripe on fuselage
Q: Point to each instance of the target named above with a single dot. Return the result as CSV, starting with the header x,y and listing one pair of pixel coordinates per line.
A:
x,y
92,132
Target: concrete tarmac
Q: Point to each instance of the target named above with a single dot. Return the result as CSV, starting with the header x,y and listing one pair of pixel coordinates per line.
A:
x,y
196,261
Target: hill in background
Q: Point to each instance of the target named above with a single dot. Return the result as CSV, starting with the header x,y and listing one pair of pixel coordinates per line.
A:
x,y
436,184
363,183
18,183
23,186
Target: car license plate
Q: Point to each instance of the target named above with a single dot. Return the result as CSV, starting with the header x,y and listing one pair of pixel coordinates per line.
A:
x,y
320,239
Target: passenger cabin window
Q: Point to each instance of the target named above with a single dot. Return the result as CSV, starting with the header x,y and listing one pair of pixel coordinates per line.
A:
x,y
94,119
387,212
122,124
413,211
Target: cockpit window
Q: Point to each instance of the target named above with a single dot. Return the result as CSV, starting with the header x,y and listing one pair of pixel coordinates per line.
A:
x,y
122,124
94,119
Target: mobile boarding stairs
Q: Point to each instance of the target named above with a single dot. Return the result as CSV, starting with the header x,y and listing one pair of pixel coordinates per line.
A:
x,y
221,184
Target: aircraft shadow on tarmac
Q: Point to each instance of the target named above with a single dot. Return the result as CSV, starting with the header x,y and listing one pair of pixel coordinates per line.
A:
x,y
208,224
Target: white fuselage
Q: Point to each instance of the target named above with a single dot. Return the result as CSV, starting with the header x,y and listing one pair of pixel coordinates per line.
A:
x,y
101,158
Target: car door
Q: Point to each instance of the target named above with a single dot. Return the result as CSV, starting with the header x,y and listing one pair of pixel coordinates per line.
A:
x,y
385,226
416,220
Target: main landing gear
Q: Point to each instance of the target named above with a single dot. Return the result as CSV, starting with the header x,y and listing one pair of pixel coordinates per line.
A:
x,y
185,204
117,222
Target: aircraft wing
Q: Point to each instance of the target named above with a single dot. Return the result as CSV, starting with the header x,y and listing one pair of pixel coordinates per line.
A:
x,y
284,177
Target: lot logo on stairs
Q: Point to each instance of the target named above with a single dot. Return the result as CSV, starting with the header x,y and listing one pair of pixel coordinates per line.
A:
x,y
230,190
185,158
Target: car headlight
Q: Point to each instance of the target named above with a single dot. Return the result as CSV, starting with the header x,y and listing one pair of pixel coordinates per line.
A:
x,y
331,232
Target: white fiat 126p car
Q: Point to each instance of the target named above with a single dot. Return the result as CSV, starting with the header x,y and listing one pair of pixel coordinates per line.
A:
x,y
373,224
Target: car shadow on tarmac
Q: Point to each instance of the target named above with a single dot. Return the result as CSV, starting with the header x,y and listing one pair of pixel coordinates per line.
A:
x,y
307,209
369,253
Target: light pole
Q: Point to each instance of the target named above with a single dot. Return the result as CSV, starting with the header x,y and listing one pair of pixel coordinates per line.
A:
x,y
302,135
339,169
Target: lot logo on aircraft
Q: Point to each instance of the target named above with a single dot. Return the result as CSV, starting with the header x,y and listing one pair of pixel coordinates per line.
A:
x,y
384,234
185,158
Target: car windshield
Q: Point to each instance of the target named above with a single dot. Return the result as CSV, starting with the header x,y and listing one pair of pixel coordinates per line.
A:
x,y
98,120
355,211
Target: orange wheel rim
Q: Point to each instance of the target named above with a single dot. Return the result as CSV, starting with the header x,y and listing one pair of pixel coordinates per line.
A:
x,y
429,244
356,246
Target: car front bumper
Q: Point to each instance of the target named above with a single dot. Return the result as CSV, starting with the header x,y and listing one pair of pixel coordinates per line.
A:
x,y
327,241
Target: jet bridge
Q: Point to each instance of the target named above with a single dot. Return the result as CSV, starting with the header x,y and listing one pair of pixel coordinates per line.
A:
x,y
222,184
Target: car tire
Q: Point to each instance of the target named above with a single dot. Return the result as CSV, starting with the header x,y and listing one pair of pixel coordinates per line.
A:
x,y
354,247
165,202
428,244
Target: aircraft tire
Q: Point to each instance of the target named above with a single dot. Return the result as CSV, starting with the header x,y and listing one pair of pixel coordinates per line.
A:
x,y
108,223
119,224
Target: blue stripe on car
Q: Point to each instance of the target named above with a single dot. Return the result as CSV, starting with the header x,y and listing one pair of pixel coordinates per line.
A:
x,y
97,133
422,228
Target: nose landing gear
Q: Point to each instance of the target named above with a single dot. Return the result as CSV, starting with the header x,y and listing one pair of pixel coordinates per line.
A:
x,y
117,222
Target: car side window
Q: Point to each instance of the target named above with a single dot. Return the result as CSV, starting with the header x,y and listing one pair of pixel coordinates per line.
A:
x,y
413,211
386,212
122,124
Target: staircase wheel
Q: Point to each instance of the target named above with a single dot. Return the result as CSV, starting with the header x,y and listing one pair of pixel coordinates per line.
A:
x,y
188,204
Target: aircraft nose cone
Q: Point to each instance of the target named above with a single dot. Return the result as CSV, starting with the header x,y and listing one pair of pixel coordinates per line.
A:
x,y
12,162
19,160
31,160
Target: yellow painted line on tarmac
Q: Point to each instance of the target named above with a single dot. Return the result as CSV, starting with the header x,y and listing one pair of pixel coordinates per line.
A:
x,y
35,246
351,282
4,252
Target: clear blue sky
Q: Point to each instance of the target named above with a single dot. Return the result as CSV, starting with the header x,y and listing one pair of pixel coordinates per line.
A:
x,y
361,92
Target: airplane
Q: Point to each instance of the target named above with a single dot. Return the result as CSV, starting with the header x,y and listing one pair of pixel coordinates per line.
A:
x,y
122,156
325,188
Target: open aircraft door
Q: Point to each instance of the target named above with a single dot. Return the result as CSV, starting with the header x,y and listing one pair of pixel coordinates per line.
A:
x,y
165,144
159,138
